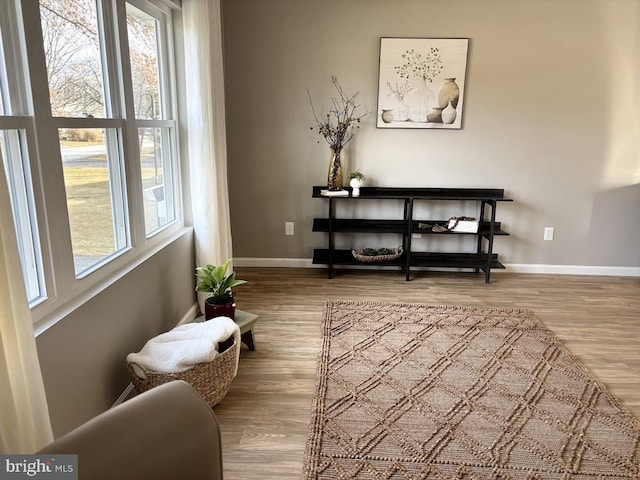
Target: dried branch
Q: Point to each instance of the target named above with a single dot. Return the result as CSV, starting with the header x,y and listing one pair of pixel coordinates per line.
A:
x,y
338,126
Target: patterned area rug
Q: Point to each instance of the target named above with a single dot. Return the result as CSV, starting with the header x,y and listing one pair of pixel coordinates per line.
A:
x,y
443,392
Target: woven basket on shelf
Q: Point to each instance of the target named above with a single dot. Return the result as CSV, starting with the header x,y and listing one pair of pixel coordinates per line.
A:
x,y
211,380
358,255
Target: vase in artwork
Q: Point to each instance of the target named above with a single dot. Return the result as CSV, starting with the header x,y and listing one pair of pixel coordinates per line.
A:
x,y
420,101
449,114
387,116
334,180
435,115
401,111
449,92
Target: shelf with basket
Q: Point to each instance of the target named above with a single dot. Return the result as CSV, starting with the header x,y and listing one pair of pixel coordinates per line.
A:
x,y
485,229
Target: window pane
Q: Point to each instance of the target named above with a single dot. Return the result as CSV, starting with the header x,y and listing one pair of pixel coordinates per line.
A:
x,y
143,51
157,178
73,53
24,217
93,178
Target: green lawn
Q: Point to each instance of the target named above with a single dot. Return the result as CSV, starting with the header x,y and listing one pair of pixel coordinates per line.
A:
x,y
90,213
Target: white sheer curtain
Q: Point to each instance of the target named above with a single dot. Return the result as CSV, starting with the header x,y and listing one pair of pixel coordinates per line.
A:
x,y
206,130
25,426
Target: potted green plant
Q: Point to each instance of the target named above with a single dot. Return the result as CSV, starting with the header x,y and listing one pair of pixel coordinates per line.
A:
x,y
213,279
356,179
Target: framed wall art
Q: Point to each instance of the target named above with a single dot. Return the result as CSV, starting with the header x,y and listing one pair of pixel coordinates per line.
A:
x,y
421,82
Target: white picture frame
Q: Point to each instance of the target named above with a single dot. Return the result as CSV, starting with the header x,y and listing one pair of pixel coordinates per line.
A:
x,y
421,82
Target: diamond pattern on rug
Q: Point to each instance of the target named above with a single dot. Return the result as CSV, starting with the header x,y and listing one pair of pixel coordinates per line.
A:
x,y
440,392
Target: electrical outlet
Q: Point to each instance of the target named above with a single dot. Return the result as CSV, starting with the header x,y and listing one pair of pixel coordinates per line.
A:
x,y
288,228
416,235
548,233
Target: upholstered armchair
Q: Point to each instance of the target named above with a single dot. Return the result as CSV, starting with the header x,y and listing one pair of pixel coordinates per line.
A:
x,y
168,432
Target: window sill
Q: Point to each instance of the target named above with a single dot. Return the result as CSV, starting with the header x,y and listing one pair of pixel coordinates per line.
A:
x,y
58,313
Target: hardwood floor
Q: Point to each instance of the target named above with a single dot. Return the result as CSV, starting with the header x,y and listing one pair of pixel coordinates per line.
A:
x,y
265,416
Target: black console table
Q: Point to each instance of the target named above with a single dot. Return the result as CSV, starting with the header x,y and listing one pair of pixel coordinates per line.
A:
x,y
483,258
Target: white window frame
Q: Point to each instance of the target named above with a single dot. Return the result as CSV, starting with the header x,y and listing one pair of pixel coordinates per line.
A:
x,y
168,93
23,199
23,176
27,81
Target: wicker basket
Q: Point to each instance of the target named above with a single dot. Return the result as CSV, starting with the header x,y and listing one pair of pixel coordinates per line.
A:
x,y
358,255
211,380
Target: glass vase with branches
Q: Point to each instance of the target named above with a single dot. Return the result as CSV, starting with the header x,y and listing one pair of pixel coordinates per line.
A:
x,y
424,66
337,127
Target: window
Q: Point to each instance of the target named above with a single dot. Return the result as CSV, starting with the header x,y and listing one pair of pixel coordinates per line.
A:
x,y
14,159
91,153
15,134
73,45
153,115
93,181
88,139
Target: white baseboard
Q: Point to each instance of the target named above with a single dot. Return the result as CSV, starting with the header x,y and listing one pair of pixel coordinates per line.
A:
x,y
123,396
511,267
193,312
275,262
572,270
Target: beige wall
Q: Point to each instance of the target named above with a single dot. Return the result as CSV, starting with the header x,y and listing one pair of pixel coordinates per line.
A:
x,y
83,356
551,115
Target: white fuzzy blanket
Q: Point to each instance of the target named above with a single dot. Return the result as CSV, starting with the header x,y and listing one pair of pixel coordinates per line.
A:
x,y
184,347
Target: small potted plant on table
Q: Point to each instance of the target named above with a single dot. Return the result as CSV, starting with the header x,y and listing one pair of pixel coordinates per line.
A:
x,y
356,179
214,280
